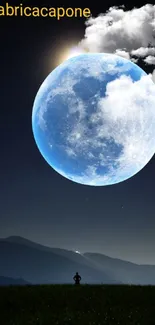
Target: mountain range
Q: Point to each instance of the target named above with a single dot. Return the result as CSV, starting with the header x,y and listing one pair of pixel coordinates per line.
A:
x,y
5,281
23,261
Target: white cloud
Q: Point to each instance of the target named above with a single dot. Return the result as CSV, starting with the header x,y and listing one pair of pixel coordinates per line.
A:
x,y
142,51
134,60
153,76
128,30
123,54
150,59
127,33
128,111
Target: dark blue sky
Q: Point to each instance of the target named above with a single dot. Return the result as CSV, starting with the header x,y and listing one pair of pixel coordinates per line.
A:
x,y
35,201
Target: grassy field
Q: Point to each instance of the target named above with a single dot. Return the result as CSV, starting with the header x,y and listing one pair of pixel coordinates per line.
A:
x,y
83,305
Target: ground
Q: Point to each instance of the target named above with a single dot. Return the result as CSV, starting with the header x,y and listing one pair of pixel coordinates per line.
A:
x,y
83,305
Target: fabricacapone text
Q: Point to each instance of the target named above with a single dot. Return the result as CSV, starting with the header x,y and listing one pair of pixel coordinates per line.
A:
x,y
58,13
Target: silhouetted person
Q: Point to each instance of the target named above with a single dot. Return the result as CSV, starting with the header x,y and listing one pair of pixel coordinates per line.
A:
x,y
77,278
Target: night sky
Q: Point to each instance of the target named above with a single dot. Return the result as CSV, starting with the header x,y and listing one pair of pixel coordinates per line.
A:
x,y
35,201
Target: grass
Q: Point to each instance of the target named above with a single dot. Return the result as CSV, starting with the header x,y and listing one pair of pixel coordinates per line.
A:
x,y
83,305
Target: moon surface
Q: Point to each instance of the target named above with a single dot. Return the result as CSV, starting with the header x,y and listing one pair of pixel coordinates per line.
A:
x,y
93,119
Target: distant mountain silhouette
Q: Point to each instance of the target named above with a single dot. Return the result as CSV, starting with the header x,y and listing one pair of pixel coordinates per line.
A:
x,y
126,272
38,264
6,281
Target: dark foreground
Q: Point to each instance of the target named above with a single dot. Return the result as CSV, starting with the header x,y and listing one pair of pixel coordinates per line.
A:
x,y
83,305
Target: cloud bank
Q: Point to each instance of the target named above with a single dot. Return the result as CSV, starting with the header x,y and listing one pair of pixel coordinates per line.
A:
x,y
130,34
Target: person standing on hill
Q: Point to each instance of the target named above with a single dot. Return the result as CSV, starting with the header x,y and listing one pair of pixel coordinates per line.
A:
x,y
77,278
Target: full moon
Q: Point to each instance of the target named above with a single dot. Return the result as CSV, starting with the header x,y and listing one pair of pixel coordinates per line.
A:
x,y
93,119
